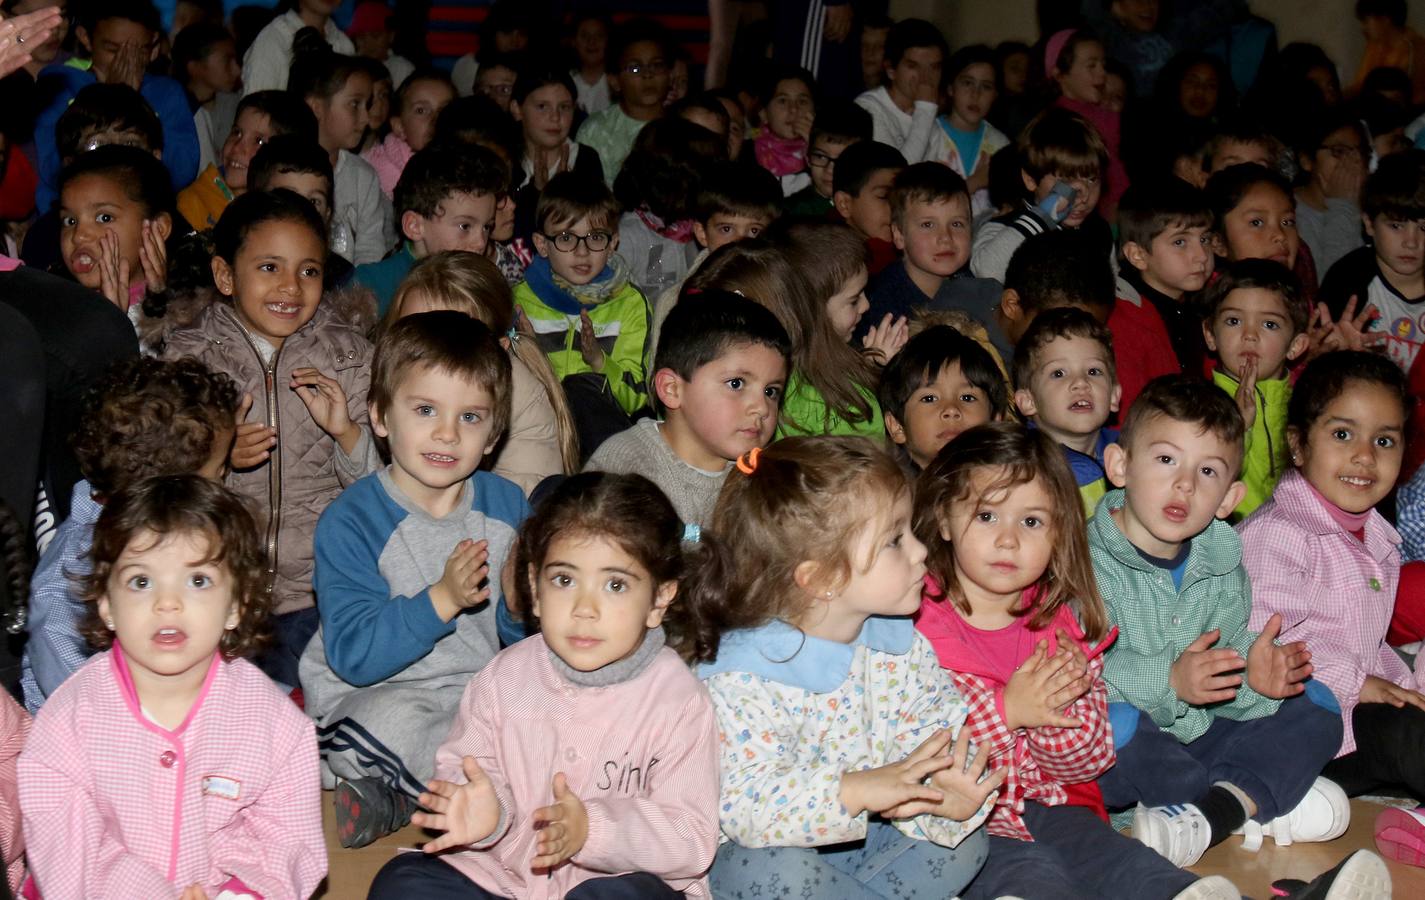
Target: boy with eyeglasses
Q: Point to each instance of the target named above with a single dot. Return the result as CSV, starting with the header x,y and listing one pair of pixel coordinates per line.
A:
x,y
838,125
584,310
639,66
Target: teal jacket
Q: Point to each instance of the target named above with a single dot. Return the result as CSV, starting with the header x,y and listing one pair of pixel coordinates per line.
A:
x,y
1157,621
1265,459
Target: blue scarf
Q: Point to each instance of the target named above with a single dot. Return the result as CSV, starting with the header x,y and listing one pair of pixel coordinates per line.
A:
x,y
570,299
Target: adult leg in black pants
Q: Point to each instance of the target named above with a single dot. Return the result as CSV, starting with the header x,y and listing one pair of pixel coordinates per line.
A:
x,y
1388,750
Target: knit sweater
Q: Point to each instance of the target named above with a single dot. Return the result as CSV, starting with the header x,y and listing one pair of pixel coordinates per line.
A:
x,y
641,450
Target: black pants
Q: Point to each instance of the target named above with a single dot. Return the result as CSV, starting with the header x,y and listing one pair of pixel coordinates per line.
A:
x,y
1389,744
412,875
597,415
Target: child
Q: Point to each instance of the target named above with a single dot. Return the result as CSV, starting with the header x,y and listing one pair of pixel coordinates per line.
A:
x,y
205,62
834,721
904,107
1328,212
939,385
1390,43
446,197
543,104
861,187
1062,160
637,64
600,565
378,109
541,439
132,783
1199,746
1255,322
931,226
591,44
497,76
1065,384
268,61
585,312
1074,61
417,105
305,373
788,109
838,125
718,381
968,140
337,89
1165,236
260,117
396,647
372,36
147,417
506,29
120,39
1239,140
1012,610
302,167
1254,213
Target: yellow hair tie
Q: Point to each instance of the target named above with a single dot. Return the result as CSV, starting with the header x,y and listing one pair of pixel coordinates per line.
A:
x,y
747,462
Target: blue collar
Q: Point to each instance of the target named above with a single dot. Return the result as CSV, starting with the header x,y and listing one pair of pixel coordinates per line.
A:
x,y
783,653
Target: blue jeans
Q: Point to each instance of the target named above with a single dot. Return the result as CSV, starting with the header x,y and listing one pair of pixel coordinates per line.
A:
x,y
1075,855
885,864
1273,759
415,875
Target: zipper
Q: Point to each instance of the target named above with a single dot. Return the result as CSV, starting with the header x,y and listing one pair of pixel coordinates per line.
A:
x,y
274,461
1271,450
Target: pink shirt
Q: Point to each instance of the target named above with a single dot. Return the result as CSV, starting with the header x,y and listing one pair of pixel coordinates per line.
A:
x,y
115,805
14,728
642,755
1333,591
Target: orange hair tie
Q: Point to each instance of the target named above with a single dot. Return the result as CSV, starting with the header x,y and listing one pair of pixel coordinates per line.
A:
x,y
747,462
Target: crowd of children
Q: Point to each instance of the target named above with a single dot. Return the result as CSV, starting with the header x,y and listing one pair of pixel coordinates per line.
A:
x,y
1004,481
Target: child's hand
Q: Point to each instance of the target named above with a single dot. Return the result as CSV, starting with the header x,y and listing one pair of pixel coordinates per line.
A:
x,y
252,442
837,25
801,125
1350,330
467,813
1273,671
1039,688
1078,662
965,792
1378,690
1246,395
980,178
1346,179
153,254
193,892
128,65
326,402
541,162
898,791
1201,675
460,587
886,339
113,272
927,90
563,827
589,344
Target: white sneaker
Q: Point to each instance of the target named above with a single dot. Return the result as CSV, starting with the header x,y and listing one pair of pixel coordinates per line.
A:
x,y
1214,887
1360,876
1178,833
1322,815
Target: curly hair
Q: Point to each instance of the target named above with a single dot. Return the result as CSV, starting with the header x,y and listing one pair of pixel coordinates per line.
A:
x,y
168,505
152,417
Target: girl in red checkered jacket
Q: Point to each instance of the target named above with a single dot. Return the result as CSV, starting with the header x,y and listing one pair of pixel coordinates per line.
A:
x,y
1012,610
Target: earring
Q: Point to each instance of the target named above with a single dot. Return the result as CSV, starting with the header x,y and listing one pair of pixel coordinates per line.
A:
x,y
109,623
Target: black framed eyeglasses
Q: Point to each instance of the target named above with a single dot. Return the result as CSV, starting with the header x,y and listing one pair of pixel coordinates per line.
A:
x,y
566,241
818,160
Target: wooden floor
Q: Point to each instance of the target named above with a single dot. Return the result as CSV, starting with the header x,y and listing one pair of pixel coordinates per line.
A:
x,y
352,870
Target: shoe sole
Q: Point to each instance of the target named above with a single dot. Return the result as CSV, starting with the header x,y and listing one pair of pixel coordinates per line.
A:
x,y
1214,887
1363,877
352,830
1400,837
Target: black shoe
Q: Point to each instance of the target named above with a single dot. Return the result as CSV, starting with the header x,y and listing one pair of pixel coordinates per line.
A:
x,y
368,809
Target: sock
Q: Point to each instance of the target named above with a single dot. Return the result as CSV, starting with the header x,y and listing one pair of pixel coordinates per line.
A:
x,y
1223,811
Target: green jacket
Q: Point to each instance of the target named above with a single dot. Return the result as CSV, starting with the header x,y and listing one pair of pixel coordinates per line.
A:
x,y
804,412
621,325
1156,621
1267,455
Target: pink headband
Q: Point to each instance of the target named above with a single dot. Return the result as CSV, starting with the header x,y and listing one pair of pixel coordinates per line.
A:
x,y
1053,48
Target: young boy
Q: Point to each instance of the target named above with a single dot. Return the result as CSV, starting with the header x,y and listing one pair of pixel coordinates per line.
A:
x,y
904,107
1255,322
940,384
638,64
446,201
585,312
407,568
861,187
261,116
1240,140
838,125
146,417
930,226
372,35
1214,724
717,383
301,166
1062,160
1065,384
119,39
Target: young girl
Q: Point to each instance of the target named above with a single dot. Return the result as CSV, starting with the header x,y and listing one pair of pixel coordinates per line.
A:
x,y
591,42
1254,214
306,372
583,761
1321,555
378,111
788,107
267,62
969,139
168,765
1013,612
543,104
414,110
205,62
1328,212
338,91
542,440
1075,63
835,724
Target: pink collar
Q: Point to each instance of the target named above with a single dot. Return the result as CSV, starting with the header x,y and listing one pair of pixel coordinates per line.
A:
x,y
131,695
780,156
680,231
1350,522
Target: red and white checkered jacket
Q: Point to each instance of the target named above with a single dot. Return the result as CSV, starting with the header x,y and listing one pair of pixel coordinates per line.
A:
x,y
1041,761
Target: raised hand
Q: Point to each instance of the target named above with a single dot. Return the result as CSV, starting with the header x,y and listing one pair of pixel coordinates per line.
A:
x,y
153,256
1246,395
897,790
589,343
252,441
1203,675
886,339
963,782
1041,687
33,27
467,813
837,26
113,272
326,402
563,827
128,66
1273,671
465,582
1350,329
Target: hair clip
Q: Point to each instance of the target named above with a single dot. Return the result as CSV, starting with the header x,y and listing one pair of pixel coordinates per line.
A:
x,y
513,334
747,462
692,533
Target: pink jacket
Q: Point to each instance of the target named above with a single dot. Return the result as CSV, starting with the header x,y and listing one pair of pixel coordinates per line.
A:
x,y
14,728
642,755
117,806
